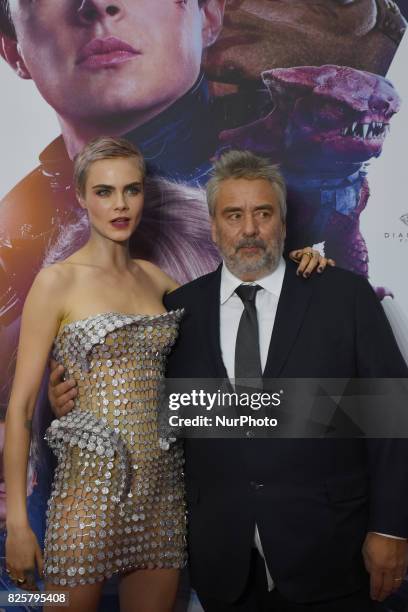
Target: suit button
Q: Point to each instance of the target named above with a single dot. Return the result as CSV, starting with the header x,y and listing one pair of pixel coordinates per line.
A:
x,y
256,485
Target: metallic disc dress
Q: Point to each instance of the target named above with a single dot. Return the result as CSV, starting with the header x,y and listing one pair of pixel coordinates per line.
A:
x,y
117,500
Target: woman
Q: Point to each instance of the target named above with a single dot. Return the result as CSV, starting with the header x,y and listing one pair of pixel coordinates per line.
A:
x,y
117,501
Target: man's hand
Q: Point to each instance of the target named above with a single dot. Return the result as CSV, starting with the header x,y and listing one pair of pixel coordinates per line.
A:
x,y
385,559
309,259
61,393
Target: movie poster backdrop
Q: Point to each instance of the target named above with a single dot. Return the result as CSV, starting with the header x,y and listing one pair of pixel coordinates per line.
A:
x,y
317,86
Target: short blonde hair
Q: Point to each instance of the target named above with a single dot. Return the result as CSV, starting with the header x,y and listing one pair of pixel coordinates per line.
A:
x,y
103,147
235,164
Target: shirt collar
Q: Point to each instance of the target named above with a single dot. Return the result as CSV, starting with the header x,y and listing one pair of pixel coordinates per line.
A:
x,y
271,283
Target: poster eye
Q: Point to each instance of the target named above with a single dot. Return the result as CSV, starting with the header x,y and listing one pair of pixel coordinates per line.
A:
x,y
344,2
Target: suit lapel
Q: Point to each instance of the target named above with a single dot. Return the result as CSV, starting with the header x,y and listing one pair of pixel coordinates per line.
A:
x,y
211,321
292,306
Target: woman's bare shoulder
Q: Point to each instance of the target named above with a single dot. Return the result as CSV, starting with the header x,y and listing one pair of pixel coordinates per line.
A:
x,y
69,269
160,278
47,294
53,275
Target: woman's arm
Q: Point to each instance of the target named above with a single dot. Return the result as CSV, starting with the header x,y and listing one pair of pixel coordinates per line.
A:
x,y
40,319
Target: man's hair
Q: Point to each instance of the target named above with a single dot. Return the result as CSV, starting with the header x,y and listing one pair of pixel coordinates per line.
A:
x,y
103,147
6,23
236,164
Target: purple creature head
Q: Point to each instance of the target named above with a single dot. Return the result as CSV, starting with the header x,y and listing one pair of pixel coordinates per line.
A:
x,y
321,115
333,112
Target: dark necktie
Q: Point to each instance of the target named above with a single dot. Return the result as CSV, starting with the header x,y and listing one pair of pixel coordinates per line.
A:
x,y
247,357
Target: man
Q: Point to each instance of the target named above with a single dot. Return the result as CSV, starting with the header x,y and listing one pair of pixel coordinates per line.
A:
x,y
284,525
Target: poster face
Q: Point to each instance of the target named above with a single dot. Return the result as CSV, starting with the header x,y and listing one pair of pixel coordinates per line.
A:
x,y
317,87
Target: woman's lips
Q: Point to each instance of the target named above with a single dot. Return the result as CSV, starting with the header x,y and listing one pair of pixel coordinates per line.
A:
x,y
102,53
120,223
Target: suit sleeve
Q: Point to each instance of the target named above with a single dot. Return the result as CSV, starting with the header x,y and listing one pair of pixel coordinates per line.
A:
x,y
173,299
378,356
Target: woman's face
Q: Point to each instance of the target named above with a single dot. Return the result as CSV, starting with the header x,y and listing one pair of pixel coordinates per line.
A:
x,y
113,197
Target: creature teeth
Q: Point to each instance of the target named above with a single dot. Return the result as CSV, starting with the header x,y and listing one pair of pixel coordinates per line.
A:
x,y
366,127
354,126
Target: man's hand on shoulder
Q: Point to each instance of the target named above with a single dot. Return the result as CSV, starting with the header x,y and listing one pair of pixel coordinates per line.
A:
x,y
61,393
385,559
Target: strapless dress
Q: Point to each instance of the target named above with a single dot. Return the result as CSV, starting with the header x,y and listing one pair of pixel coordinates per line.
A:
x,y
117,501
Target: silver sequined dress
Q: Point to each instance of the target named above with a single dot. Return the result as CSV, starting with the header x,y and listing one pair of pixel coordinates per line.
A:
x,y
117,500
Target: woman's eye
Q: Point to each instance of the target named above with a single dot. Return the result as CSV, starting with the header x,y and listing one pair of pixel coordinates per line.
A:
x,y
102,192
133,190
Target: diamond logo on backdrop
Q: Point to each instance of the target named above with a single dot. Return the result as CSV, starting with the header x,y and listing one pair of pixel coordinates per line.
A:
x,y
404,218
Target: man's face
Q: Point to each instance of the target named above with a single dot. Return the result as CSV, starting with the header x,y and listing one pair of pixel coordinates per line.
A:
x,y
93,58
247,227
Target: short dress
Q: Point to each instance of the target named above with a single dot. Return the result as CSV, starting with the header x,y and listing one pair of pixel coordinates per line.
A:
x,y
117,501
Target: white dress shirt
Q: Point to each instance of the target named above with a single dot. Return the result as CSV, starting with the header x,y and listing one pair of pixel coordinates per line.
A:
x,y
231,309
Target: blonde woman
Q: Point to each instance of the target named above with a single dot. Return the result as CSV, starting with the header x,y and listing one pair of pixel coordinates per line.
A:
x,y
117,502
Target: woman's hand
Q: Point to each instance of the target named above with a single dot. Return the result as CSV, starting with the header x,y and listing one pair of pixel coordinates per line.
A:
x,y
309,259
23,556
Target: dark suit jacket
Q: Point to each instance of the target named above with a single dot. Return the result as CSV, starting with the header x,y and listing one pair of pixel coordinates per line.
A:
x,y
313,499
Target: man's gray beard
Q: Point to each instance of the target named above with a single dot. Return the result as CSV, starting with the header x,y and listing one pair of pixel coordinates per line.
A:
x,y
266,264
